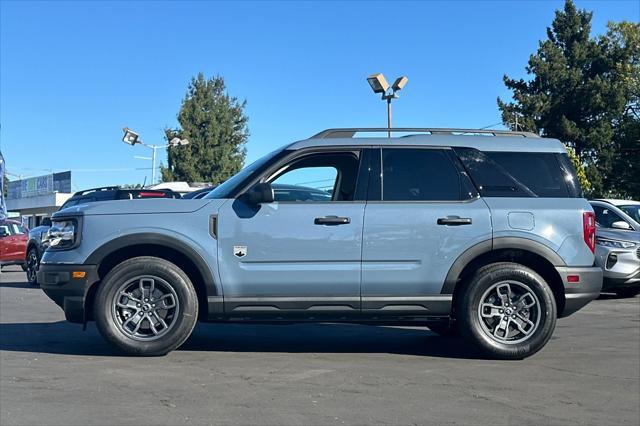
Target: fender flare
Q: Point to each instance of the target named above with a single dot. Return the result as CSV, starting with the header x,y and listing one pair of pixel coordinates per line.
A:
x,y
499,243
149,238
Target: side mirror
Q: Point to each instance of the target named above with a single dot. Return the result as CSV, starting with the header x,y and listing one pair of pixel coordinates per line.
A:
x,y
3,233
260,193
46,222
621,224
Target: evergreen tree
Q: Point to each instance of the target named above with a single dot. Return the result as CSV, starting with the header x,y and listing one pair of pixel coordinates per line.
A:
x,y
216,127
581,92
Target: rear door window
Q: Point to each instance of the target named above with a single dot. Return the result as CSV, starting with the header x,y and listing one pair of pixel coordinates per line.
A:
x,y
419,175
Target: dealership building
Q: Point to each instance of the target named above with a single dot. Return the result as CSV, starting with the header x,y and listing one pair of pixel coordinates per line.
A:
x,y
38,197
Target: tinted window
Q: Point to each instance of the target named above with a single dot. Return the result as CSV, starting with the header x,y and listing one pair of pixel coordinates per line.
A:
x,y
633,211
605,217
515,174
69,203
419,175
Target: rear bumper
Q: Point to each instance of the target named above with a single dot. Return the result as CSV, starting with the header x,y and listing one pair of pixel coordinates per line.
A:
x,y
578,294
59,284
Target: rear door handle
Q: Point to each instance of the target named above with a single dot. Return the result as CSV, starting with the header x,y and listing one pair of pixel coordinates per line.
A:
x,y
454,221
331,220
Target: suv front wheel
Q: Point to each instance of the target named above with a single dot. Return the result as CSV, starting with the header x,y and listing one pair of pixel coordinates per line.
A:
x,y
507,310
146,306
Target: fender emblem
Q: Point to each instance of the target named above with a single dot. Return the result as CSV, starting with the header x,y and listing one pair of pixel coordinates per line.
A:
x,y
239,251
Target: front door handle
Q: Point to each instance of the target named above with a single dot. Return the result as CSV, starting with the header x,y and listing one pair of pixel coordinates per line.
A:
x,y
454,221
331,220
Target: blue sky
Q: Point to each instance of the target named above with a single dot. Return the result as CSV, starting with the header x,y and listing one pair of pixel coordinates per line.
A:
x,y
72,74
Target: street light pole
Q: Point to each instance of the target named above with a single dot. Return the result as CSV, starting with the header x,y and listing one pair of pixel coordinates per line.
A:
x,y
132,138
389,117
379,85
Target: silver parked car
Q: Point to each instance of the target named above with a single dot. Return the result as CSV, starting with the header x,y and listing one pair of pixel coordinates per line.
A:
x,y
618,245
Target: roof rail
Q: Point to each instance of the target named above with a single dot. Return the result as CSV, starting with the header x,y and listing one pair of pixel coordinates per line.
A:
x,y
350,132
101,188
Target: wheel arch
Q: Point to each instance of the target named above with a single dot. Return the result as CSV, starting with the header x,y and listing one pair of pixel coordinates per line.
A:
x,y
157,245
532,254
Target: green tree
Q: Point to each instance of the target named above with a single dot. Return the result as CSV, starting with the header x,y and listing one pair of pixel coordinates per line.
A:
x,y
216,127
581,92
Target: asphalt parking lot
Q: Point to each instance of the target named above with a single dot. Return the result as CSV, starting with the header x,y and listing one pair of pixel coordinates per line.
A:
x,y
53,373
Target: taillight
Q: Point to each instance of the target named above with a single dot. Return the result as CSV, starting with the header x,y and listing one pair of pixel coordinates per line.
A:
x,y
589,229
152,194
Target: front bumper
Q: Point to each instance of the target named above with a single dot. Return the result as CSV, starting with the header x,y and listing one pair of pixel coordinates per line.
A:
x,y
623,271
578,294
66,289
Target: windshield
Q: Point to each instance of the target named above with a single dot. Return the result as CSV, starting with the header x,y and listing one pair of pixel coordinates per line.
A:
x,y
229,186
633,211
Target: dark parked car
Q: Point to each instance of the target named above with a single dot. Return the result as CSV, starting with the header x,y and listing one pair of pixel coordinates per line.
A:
x,y
37,236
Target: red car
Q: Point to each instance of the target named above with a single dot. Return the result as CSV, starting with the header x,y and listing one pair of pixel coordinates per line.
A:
x,y
13,243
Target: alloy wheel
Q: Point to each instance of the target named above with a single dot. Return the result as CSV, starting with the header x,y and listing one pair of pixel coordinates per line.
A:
x,y
509,312
145,308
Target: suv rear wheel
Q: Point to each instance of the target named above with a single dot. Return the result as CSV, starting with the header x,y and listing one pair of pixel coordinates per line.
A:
x,y
507,311
146,306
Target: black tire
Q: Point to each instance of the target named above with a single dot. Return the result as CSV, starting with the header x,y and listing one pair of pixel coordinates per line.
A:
x,y
444,328
31,266
628,292
183,319
475,329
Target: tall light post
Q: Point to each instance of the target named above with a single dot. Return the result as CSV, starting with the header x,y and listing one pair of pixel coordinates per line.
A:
x,y
132,138
379,85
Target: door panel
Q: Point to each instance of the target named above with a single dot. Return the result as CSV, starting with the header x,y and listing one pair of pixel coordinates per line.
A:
x,y
406,254
301,253
274,258
428,215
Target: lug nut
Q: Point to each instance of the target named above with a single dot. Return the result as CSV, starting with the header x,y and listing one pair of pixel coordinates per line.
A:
x,y
501,310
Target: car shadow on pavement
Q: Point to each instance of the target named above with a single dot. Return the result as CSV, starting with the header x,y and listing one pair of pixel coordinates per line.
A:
x,y
64,338
17,285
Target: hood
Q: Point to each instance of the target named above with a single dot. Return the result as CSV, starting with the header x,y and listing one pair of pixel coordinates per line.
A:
x,y
618,234
139,206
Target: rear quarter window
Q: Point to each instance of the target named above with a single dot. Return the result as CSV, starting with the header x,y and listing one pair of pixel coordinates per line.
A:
x,y
520,174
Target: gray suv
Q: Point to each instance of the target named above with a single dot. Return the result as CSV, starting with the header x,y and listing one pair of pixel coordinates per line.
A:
x,y
483,233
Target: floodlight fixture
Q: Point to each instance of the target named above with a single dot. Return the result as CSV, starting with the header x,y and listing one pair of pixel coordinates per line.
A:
x,y
130,137
399,83
378,83
178,142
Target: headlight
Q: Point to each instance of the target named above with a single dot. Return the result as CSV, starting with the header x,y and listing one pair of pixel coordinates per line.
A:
x,y
62,234
615,243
